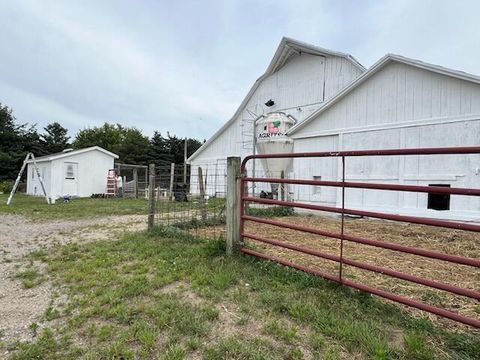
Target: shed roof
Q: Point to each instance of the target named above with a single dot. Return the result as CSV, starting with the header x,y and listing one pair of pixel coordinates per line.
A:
x,y
73,152
380,64
285,50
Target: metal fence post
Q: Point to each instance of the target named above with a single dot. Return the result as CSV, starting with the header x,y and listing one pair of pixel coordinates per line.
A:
x,y
135,181
203,200
172,180
151,197
233,205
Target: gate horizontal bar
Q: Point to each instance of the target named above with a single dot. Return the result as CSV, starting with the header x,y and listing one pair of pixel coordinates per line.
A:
x,y
370,267
375,186
387,295
391,152
268,257
381,244
379,215
293,247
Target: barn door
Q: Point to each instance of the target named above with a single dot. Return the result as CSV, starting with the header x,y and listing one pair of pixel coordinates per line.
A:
x,y
70,179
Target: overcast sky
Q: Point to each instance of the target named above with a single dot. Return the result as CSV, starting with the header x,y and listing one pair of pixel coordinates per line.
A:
x,y
185,66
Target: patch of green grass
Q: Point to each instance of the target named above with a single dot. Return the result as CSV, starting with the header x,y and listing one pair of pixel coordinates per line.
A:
x,y
34,329
417,348
167,294
317,342
51,313
37,207
281,330
45,347
235,348
30,277
197,223
271,211
174,353
39,255
332,353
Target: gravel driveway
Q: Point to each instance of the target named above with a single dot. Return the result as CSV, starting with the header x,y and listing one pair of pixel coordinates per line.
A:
x,y
19,236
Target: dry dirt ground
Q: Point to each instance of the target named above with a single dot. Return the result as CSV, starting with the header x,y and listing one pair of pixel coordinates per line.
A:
x,y
20,307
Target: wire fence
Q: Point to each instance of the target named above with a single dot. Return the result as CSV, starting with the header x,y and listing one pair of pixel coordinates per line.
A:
x,y
134,180
192,198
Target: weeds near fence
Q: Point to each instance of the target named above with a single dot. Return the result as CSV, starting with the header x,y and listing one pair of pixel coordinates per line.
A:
x,y
272,211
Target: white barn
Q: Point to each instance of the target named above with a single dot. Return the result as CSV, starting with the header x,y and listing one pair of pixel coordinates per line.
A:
x,y
397,103
300,78
80,172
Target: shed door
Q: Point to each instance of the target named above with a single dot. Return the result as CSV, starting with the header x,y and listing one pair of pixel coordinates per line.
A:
x,y
70,179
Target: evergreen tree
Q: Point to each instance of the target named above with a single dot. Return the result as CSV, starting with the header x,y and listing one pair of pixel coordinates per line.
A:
x,y
165,150
15,142
159,150
55,138
134,148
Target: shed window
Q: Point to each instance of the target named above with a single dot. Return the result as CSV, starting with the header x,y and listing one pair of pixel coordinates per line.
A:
x,y
439,201
70,174
316,188
33,173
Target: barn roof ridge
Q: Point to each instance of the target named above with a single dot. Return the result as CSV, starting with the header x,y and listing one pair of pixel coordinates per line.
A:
x,y
286,48
380,64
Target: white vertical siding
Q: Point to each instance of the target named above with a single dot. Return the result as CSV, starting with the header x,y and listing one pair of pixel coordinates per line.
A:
x,y
402,106
455,170
298,88
307,168
399,93
33,183
339,72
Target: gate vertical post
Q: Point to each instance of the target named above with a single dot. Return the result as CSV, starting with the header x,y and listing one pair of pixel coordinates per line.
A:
x,y
282,186
343,218
233,212
151,197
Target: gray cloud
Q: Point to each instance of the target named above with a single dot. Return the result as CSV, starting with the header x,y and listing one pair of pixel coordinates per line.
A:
x,y
185,66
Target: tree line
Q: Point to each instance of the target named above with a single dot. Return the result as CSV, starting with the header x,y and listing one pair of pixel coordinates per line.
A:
x,y
132,147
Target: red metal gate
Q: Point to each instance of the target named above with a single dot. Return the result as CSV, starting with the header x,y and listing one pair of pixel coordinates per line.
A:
x,y
342,236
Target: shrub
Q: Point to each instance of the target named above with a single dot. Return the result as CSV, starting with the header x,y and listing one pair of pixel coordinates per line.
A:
x,y
274,211
6,186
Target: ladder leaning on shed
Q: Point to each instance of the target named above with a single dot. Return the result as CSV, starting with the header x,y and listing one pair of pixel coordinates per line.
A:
x,y
111,187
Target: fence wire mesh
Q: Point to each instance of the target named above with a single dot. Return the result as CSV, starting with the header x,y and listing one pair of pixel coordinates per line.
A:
x,y
192,198
134,180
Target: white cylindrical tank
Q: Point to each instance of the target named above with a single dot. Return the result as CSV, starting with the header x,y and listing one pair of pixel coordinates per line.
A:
x,y
271,138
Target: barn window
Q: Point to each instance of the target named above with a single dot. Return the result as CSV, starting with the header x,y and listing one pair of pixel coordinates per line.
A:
x,y
69,174
316,188
33,173
438,201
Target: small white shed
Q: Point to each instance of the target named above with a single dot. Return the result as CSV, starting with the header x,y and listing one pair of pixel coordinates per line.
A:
x,y
80,172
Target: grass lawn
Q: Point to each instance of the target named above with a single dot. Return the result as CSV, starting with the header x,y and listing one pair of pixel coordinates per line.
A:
x,y
36,206
165,295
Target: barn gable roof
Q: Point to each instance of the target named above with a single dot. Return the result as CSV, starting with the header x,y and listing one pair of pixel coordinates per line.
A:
x,y
73,152
375,68
287,48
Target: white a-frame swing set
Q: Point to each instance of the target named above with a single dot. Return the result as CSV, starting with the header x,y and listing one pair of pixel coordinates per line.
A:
x,y
15,186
